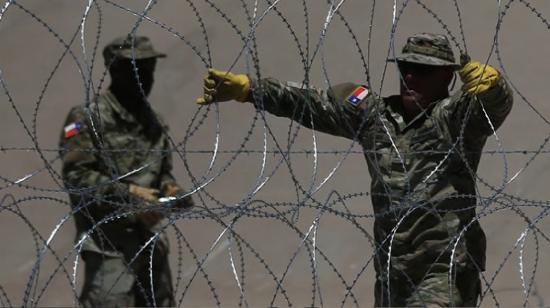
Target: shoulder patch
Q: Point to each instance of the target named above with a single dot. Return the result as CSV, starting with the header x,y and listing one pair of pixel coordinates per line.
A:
x,y
72,129
357,96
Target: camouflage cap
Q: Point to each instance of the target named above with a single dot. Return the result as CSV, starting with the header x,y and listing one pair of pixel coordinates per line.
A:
x,y
138,47
429,49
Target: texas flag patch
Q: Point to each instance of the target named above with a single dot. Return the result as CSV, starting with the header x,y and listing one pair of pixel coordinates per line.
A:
x,y
72,129
357,95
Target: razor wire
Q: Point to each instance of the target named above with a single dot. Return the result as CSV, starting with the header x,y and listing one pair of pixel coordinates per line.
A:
x,y
305,217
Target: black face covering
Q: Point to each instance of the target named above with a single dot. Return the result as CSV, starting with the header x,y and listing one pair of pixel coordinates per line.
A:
x,y
132,85
132,91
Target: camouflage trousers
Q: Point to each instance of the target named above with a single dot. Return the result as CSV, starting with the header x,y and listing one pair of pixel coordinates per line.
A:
x,y
422,249
433,291
110,282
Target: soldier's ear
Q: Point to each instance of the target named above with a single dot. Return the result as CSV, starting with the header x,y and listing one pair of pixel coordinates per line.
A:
x,y
452,82
449,76
116,65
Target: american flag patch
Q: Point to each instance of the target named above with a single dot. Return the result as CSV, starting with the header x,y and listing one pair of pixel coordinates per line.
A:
x,y
72,129
357,95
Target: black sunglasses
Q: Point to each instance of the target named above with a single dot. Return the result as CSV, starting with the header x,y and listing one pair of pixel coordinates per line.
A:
x,y
416,68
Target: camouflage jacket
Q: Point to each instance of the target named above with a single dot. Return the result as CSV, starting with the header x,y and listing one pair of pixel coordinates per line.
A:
x,y
108,150
423,172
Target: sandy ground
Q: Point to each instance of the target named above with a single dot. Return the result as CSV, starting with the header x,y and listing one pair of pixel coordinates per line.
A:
x,y
41,81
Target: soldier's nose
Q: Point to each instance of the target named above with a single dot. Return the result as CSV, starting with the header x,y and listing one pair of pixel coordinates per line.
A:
x,y
409,79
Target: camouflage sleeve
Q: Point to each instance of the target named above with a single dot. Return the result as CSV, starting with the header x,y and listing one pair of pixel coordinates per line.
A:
x,y
82,171
323,110
168,179
166,176
484,112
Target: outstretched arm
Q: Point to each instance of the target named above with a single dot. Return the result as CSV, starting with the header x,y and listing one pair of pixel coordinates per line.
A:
x,y
338,111
328,111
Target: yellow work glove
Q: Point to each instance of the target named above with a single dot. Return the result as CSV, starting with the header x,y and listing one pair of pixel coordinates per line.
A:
x,y
477,77
145,193
173,190
220,86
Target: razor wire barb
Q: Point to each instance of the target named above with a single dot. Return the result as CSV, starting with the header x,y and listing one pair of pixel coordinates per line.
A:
x,y
229,241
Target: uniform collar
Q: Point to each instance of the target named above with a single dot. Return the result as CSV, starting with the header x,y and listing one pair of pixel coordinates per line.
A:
x,y
394,109
118,108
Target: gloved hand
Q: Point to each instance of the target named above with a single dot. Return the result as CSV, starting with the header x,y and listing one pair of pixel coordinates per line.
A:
x,y
145,193
220,86
173,190
477,77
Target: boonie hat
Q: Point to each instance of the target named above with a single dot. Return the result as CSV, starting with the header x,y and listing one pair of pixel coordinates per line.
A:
x,y
138,47
428,49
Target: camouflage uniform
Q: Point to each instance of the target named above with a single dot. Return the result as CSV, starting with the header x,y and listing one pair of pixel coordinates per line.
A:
x,y
110,142
423,180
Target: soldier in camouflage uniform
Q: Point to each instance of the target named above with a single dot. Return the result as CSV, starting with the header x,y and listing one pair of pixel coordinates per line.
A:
x,y
422,148
117,161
